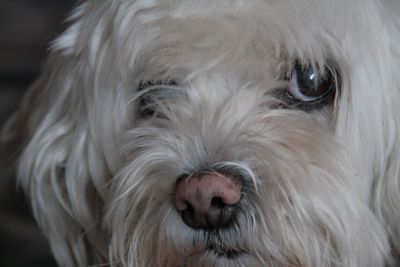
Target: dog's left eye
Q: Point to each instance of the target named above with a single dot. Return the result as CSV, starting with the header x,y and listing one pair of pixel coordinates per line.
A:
x,y
308,85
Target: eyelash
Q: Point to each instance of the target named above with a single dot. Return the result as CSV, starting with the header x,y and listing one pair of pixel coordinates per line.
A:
x,y
155,83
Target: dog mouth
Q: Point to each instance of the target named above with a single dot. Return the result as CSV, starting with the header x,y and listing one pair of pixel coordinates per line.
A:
x,y
214,255
220,251
225,252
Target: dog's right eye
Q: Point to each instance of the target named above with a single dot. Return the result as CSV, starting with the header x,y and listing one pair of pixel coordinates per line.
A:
x,y
153,94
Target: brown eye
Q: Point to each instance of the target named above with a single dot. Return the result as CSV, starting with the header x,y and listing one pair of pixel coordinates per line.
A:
x,y
308,85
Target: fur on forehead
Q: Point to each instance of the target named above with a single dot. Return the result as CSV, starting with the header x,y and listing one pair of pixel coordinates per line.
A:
x,y
157,36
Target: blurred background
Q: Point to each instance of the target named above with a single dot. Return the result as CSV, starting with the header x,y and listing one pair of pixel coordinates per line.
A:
x,y
26,28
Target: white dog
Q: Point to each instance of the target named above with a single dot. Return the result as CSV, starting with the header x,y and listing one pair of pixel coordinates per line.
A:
x,y
217,133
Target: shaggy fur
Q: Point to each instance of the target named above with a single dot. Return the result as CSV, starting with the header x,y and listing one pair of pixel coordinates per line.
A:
x,y
322,185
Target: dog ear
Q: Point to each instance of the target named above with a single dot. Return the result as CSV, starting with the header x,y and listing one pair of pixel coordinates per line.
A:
x,y
386,187
386,196
51,136
62,164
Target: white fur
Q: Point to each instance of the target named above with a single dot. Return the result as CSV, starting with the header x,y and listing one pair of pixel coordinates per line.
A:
x,y
325,185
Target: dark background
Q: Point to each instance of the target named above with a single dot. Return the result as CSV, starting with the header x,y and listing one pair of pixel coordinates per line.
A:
x,y
26,29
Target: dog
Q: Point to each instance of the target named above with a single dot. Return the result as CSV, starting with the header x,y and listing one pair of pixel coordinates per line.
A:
x,y
217,133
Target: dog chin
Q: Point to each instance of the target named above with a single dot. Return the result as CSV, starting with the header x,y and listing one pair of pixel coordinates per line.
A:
x,y
214,252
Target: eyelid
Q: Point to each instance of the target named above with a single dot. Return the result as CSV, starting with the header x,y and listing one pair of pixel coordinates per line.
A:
x,y
155,87
152,96
161,92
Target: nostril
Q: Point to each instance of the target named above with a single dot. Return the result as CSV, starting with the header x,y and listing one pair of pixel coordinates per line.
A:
x,y
189,208
218,203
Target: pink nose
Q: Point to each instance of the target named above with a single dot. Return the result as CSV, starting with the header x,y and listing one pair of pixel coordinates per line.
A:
x,y
207,201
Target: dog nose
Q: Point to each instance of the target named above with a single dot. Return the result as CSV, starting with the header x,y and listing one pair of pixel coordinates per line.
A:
x,y
207,201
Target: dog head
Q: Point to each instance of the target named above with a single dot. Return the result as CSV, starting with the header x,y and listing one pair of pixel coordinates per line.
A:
x,y
217,133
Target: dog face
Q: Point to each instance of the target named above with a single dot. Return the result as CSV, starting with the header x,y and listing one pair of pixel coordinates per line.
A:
x,y
217,133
